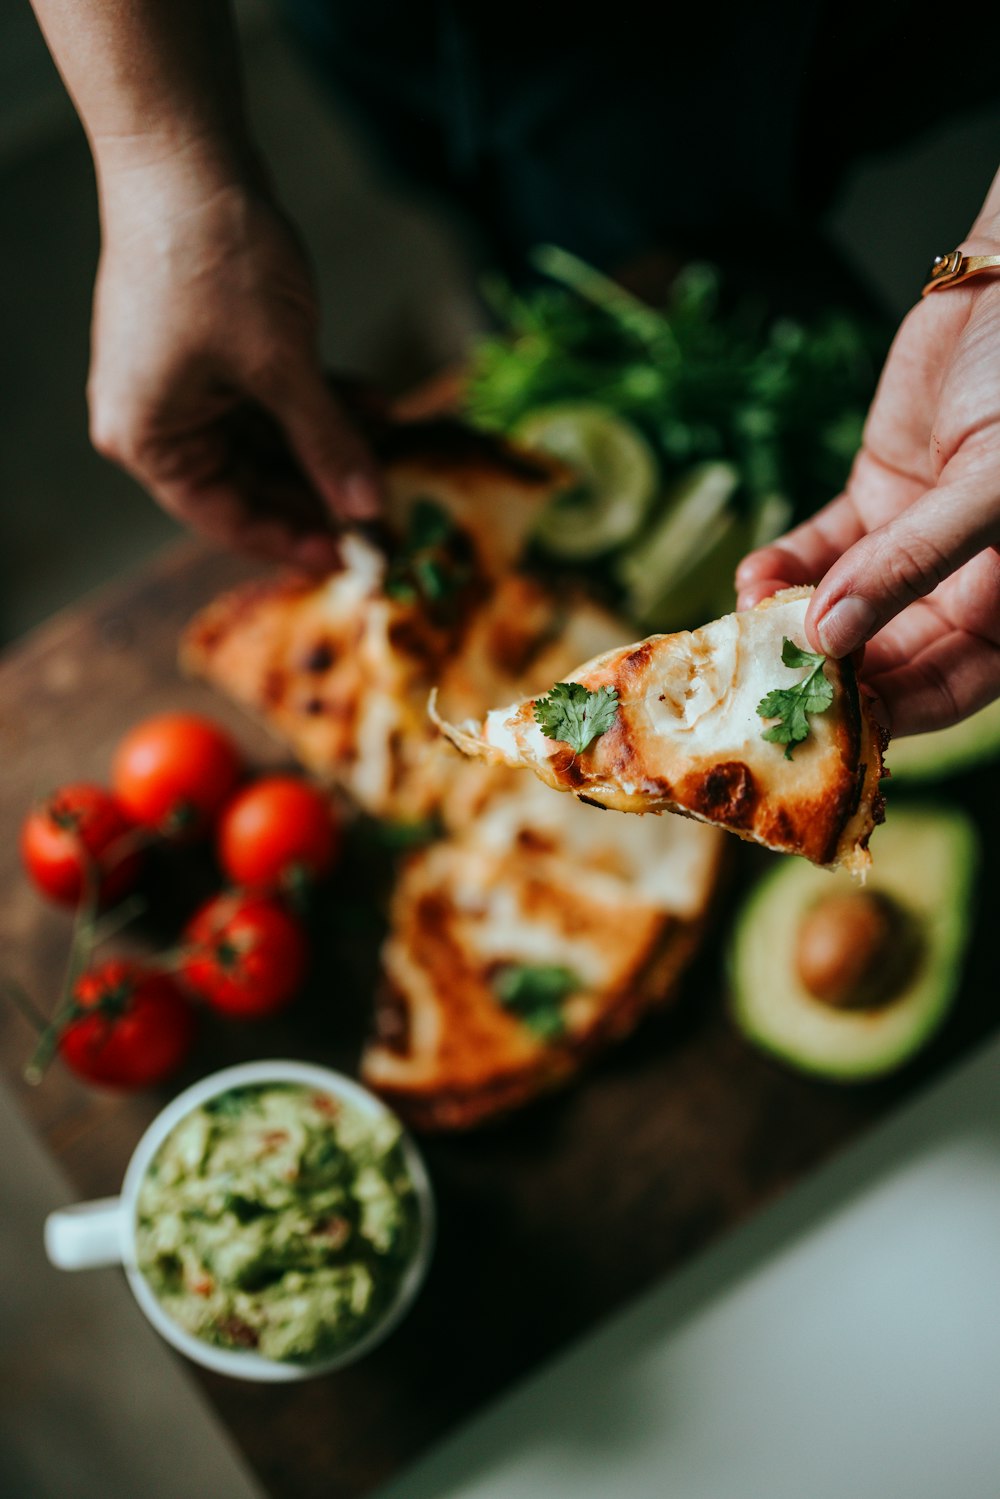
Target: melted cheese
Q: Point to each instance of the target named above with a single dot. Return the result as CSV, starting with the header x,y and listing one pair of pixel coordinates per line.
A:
x,y
687,737
668,865
701,694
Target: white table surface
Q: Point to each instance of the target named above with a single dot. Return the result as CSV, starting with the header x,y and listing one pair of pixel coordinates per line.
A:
x,y
844,1343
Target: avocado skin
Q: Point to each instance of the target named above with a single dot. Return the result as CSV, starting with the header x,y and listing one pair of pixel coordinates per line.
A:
x,y
947,752
925,858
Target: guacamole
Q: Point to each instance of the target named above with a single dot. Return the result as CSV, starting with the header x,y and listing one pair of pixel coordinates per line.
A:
x,y
277,1218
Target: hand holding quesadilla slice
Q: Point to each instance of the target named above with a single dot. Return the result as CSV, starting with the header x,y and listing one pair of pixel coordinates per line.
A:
x,y
737,723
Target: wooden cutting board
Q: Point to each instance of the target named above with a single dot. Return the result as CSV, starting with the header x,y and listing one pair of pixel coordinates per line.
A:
x,y
549,1221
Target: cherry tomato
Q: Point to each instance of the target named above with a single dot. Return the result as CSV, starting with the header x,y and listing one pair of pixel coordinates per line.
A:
x,y
174,772
246,954
71,838
136,1029
276,832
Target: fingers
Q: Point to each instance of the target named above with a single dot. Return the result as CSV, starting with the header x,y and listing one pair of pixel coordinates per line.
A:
x,y
229,479
219,511
875,492
330,451
907,661
908,557
955,674
802,555
231,474
205,326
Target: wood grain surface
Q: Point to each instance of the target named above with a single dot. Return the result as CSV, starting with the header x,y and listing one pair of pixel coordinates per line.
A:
x,y
547,1222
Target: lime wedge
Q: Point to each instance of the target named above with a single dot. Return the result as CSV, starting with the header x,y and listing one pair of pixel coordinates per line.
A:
x,y
617,471
705,589
692,523
772,516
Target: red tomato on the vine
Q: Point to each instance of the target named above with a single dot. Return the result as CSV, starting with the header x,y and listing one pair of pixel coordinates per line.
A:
x,y
174,773
245,954
133,1028
69,842
276,833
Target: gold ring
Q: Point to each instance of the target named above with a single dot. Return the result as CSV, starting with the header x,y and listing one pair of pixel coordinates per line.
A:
x,y
950,269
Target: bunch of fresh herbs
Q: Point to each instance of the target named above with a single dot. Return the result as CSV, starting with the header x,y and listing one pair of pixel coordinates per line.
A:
x,y
783,399
704,378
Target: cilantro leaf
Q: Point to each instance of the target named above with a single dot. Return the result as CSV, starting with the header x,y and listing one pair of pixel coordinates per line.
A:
x,y
535,993
401,836
430,524
797,655
433,564
709,375
575,715
791,706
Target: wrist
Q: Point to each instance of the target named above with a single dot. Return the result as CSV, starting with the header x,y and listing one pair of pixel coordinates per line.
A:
x,y
168,165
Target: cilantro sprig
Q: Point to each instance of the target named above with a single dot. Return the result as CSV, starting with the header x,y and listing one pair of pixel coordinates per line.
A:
x,y
434,563
535,993
791,706
575,715
708,375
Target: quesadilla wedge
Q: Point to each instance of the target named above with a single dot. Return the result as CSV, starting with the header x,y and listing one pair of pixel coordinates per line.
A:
x,y
692,723
339,669
531,938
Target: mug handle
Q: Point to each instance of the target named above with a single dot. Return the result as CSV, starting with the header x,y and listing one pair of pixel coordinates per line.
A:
x,y
86,1235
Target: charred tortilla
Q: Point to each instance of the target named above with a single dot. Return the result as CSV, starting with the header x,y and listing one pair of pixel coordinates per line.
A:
x,y
687,737
340,669
531,884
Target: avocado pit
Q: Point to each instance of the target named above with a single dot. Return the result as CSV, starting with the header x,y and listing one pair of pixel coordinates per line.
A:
x,y
857,949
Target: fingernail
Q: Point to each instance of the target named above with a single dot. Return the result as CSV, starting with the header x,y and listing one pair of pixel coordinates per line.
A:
x,y
360,497
846,626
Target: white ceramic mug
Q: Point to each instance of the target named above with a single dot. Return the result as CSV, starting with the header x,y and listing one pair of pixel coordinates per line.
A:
x,y
103,1232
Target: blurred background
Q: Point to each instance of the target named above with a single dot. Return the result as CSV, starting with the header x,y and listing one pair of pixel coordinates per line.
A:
x,y
395,278
400,302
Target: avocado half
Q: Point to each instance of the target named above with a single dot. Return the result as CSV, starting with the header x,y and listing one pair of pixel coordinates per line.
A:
x,y
946,752
925,859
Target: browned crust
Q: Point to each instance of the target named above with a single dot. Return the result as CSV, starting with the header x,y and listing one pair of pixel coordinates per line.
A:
x,y
463,994
828,818
726,793
455,1111
212,624
442,1108
445,446
304,676
844,802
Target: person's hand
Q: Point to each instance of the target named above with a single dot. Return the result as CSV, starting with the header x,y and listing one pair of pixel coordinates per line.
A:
x,y
905,559
205,379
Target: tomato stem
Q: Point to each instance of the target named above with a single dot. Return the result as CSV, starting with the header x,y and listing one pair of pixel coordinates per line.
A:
x,y
172,960
80,948
48,1043
182,818
23,1002
88,932
297,884
117,920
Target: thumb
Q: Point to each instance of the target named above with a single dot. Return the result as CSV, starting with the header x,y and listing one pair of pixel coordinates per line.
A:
x,y
908,557
329,449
